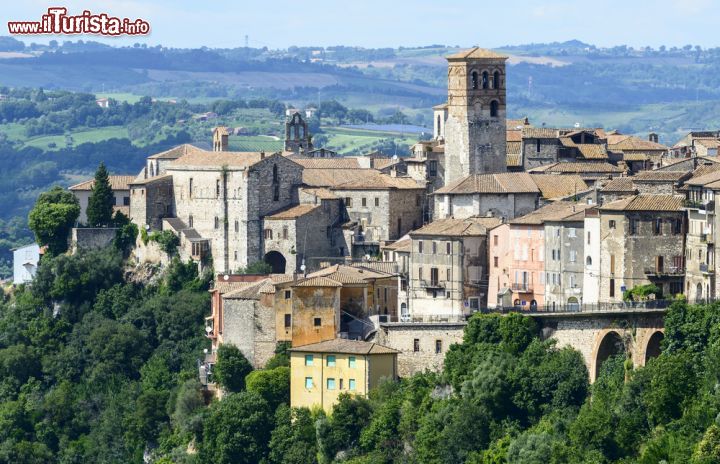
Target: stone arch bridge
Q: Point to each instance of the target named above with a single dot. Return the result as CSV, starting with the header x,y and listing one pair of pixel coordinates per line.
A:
x,y
601,334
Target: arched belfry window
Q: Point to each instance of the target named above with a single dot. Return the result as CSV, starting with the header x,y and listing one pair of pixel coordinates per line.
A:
x,y
438,125
496,80
485,80
474,79
494,109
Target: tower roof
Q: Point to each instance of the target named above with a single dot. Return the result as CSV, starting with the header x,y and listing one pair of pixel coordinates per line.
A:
x,y
476,53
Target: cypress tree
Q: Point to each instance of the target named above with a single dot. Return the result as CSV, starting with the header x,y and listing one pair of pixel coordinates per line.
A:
x,y
100,204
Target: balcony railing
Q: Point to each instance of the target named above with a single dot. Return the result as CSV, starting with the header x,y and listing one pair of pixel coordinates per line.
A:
x,y
432,284
704,268
670,271
522,287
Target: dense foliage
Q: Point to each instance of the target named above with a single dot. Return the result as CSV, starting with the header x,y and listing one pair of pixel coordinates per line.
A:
x,y
100,204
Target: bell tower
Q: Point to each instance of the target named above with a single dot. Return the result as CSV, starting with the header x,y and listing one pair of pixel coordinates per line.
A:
x,y
475,139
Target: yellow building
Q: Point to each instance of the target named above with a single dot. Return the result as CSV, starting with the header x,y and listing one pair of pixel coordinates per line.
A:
x,y
321,371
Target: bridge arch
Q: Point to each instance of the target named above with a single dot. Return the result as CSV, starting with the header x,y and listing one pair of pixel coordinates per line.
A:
x,y
610,343
653,348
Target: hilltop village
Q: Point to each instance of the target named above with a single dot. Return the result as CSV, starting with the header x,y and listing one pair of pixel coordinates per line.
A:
x,y
377,262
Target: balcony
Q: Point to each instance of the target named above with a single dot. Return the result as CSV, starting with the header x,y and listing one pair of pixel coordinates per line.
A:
x,y
432,284
701,205
706,269
523,287
670,271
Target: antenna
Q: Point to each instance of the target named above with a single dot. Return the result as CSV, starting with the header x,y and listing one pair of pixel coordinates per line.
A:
x,y
246,41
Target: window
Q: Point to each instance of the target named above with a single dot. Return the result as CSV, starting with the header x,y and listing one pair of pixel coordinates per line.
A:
x,y
351,384
448,274
237,226
348,202
190,188
330,360
496,80
308,360
276,192
420,246
217,222
308,383
659,264
485,82
434,277
420,273
611,224
571,232
364,201
285,232
537,146
190,221
275,173
352,362
495,261
438,346
268,234
377,201
317,322
612,264
573,256
495,240
434,248
448,248
288,293
126,201
418,200
657,226
288,320
588,238
612,288
633,226
416,345
588,261
473,82
494,106
217,188
677,226
432,168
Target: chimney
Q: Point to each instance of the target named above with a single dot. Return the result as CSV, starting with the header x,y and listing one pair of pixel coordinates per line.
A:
x,y
262,155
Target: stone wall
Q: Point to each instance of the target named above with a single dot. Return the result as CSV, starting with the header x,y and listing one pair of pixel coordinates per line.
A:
x,y
532,158
402,336
250,325
87,238
507,205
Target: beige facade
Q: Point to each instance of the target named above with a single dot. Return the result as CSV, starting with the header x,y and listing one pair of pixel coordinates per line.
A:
x,y
320,372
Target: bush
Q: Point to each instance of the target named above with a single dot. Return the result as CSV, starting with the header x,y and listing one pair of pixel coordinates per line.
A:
x,y
231,368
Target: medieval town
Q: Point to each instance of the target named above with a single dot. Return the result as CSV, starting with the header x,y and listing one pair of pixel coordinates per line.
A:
x,y
378,261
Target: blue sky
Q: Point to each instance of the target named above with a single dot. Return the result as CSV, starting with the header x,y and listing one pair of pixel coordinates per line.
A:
x,y
392,23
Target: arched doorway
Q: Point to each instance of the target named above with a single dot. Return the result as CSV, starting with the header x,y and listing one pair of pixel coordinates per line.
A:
x,y
611,345
276,260
652,350
573,304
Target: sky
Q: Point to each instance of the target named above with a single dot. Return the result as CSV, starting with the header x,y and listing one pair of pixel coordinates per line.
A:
x,y
393,23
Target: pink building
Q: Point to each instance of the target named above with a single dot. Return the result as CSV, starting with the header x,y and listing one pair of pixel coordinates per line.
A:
x,y
516,256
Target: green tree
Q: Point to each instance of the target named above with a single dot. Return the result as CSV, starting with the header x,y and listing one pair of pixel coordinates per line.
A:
x,y
53,216
100,205
231,368
293,439
237,430
272,384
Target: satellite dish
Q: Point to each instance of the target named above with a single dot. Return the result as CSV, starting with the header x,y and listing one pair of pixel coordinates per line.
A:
x,y
226,277
395,157
367,257
302,267
205,350
208,329
147,226
577,125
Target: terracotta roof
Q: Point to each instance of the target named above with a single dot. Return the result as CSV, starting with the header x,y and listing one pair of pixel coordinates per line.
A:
x,y
515,123
558,186
250,291
513,160
388,267
348,274
116,183
321,193
645,202
176,152
556,211
150,180
579,167
236,159
513,135
511,182
226,287
341,345
327,163
317,282
451,227
293,212
620,185
708,143
513,148
539,133
704,178
635,156
441,106
703,169
592,151
661,176
476,53
357,179
618,142
400,245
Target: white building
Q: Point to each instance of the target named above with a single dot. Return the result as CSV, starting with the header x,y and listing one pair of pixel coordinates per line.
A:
x,y
591,276
25,263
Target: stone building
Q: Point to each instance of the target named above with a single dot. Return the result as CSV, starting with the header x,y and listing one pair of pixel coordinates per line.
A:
x,y
564,258
660,182
448,268
642,242
592,256
315,315
636,153
700,259
297,135
590,171
475,125
696,143
120,189
616,188
399,253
